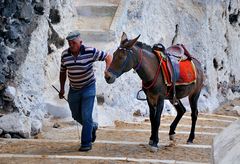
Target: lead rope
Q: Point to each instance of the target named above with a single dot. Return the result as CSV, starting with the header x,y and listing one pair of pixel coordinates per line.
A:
x,y
75,121
154,80
137,68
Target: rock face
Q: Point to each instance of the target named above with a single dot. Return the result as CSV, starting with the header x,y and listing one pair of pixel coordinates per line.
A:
x,y
226,145
16,123
237,109
17,22
26,35
16,26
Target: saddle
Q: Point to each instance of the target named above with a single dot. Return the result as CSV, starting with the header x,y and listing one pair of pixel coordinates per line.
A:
x,y
177,67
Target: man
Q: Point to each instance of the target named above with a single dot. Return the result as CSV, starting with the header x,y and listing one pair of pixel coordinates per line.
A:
x,y
77,61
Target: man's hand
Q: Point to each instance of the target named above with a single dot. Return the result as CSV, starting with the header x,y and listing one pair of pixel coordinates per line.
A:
x,y
108,61
61,94
105,72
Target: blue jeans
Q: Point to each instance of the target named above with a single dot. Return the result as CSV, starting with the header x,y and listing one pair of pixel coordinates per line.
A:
x,y
81,104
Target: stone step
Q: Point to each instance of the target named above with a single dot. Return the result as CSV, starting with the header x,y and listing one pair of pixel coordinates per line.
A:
x,y
97,35
94,23
214,116
106,149
52,159
100,45
164,126
96,2
206,129
200,122
132,135
100,11
141,136
138,135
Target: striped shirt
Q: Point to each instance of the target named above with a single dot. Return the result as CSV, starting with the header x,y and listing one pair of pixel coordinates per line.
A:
x,y
80,69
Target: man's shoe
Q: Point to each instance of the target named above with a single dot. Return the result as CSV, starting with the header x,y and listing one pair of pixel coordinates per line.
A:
x,y
85,148
94,136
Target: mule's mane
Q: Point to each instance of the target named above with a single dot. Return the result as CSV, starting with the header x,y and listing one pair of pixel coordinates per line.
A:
x,y
144,46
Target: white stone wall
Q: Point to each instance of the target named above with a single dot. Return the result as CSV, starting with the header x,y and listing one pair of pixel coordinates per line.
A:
x,y
202,25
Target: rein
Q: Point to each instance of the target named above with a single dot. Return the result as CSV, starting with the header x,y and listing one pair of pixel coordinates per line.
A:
x,y
155,78
140,62
137,67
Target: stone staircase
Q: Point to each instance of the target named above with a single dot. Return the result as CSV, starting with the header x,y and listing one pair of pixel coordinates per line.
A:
x,y
94,20
126,142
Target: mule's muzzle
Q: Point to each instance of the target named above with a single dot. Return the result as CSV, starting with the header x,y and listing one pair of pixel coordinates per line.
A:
x,y
109,77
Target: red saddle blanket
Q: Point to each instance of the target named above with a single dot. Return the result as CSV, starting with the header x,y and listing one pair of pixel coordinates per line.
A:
x,y
187,71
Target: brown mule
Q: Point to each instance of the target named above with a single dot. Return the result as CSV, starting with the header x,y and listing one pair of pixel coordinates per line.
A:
x,y
132,54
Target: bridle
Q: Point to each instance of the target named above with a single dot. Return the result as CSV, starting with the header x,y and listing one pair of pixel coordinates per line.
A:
x,y
136,68
129,52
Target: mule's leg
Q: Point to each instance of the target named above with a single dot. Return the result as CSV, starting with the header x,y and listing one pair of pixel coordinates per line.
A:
x,y
180,112
155,118
152,114
193,99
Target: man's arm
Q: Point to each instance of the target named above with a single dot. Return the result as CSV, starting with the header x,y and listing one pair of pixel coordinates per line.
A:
x,y
62,79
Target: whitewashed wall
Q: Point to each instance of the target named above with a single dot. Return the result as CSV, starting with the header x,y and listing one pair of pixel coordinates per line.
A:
x,y
202,25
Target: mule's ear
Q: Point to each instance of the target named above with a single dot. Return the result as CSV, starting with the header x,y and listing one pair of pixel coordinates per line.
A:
x,y
132,42
124,37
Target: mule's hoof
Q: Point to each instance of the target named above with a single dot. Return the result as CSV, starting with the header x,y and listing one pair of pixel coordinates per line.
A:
x,y
189,141
150,142
172,137
153,148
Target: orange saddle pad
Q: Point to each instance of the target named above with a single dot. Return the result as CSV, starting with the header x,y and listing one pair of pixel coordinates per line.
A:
x,y
186,67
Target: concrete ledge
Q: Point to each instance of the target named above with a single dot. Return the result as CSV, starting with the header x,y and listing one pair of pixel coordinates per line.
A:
x,y
100,35
97,2
96,10
226,145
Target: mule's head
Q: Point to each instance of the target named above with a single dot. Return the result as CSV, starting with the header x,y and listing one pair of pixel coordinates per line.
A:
x,y
122,59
